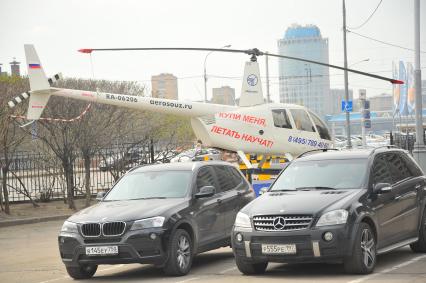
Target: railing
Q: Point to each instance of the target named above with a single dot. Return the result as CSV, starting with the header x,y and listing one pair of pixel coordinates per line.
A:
x,y
40,176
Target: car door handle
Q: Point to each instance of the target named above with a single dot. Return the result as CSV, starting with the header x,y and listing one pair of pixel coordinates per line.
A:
x,y
219,200
418,186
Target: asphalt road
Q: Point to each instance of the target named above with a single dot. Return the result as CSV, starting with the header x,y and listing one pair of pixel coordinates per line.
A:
x,y
29,253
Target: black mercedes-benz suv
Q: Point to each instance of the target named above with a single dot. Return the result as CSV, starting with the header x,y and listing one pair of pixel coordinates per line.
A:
x,y
160,214
335,206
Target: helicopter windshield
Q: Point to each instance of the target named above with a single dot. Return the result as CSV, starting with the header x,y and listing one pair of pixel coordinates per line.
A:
x,y
321,127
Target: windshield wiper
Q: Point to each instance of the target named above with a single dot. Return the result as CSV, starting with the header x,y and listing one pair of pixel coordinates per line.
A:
x,y
148,198
314,188
283,190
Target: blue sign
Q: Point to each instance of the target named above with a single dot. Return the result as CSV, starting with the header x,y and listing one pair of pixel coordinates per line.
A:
x,y
367,123
347,106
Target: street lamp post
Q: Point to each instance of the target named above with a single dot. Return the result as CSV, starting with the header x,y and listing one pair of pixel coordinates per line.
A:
x,y
205,72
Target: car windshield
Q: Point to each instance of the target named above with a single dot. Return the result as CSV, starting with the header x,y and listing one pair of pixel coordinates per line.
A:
x,y
322,174
153,184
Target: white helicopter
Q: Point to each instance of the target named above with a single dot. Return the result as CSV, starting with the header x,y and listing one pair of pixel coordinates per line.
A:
x,y
252,127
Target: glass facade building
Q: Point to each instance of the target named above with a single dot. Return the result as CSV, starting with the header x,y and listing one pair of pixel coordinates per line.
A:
x,y
304,83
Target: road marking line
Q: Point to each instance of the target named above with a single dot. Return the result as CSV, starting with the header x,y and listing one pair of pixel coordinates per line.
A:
x,y
187,280
67,277
227,270
111,268
362,279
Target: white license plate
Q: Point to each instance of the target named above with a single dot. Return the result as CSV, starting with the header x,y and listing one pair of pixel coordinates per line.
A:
x,y
102,250
279,249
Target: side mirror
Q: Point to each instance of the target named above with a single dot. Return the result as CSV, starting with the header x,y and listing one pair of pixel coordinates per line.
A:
x,y
205,192
263,190
100,196
382,188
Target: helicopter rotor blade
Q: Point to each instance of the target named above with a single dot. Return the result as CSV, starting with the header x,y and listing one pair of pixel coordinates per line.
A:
x,y
254,52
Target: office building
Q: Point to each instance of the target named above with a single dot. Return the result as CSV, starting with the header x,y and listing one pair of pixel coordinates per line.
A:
x,y
303,83
224,95
164,86
15,68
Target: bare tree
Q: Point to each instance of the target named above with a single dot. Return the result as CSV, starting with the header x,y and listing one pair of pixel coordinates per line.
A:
x,y
11,136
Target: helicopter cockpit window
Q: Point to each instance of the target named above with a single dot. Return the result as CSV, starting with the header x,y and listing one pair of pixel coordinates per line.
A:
x,y
281,119
321,127
301,120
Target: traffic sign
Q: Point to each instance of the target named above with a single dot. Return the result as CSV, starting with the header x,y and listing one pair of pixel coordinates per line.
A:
x,y
367,123
347,106
366,114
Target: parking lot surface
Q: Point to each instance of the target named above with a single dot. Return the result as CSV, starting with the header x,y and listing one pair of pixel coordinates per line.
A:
x,y
29,253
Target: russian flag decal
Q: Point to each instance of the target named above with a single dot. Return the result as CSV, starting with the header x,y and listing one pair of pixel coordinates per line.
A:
x,y
34,66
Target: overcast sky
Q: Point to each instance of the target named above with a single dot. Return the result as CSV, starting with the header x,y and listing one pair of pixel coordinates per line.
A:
x,y
58,28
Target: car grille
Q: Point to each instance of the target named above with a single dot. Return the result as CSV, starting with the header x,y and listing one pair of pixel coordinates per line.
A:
x,y
273,223
113,228
91,229
105,229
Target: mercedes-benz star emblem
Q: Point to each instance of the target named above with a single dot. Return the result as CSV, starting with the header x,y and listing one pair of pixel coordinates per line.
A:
x,y
279,223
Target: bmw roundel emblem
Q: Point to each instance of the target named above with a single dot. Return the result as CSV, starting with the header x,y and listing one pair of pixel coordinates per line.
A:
x,y
252,80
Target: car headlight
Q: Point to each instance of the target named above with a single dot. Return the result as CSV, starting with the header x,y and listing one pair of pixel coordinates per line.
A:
x,y
242,221
334,217
148,223
69,227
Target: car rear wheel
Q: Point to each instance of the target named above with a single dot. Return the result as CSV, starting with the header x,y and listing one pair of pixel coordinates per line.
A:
x,y
420,245
363,259
180,254
82,271
248,268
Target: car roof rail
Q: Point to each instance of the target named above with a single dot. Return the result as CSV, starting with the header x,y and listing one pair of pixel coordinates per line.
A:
x,y
315,150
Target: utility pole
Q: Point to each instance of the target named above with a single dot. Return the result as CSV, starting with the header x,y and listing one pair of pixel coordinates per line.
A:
x,y
348,125
268,95
419,151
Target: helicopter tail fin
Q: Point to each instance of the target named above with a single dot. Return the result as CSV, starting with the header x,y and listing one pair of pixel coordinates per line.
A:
x,y
39,84
251,91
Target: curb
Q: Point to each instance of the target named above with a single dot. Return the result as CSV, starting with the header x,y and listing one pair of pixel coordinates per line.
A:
x,y
7,223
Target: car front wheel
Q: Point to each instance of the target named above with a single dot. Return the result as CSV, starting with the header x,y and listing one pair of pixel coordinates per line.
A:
x,y
82,271
180,254
420,245
248,268
363,259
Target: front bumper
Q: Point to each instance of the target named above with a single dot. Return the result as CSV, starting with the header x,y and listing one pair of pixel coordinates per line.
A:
x,y
310,244
133,247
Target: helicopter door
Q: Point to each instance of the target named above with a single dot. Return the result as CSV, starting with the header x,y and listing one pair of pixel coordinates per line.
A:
x,y
305,133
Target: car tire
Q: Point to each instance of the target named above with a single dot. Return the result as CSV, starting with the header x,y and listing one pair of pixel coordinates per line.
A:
x,y
248,268
180,254
420,245
364,255
82,271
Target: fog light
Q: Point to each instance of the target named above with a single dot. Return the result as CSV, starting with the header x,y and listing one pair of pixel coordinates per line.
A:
x,y
239,237
328,236
153,236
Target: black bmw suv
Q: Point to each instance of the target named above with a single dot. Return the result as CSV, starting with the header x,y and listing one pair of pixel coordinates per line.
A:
x,y
335,206
160,214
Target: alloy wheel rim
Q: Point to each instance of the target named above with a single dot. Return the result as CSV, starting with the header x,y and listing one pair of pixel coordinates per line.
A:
x,y
183,252
368,248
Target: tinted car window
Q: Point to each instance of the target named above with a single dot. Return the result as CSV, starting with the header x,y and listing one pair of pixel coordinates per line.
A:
x,y
337,174
236,176
205,177
281,119
412,166
380,171
225,178
154,184
321,127
397,166
302,121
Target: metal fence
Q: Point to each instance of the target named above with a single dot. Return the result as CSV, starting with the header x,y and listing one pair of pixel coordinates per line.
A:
x,y
41,175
